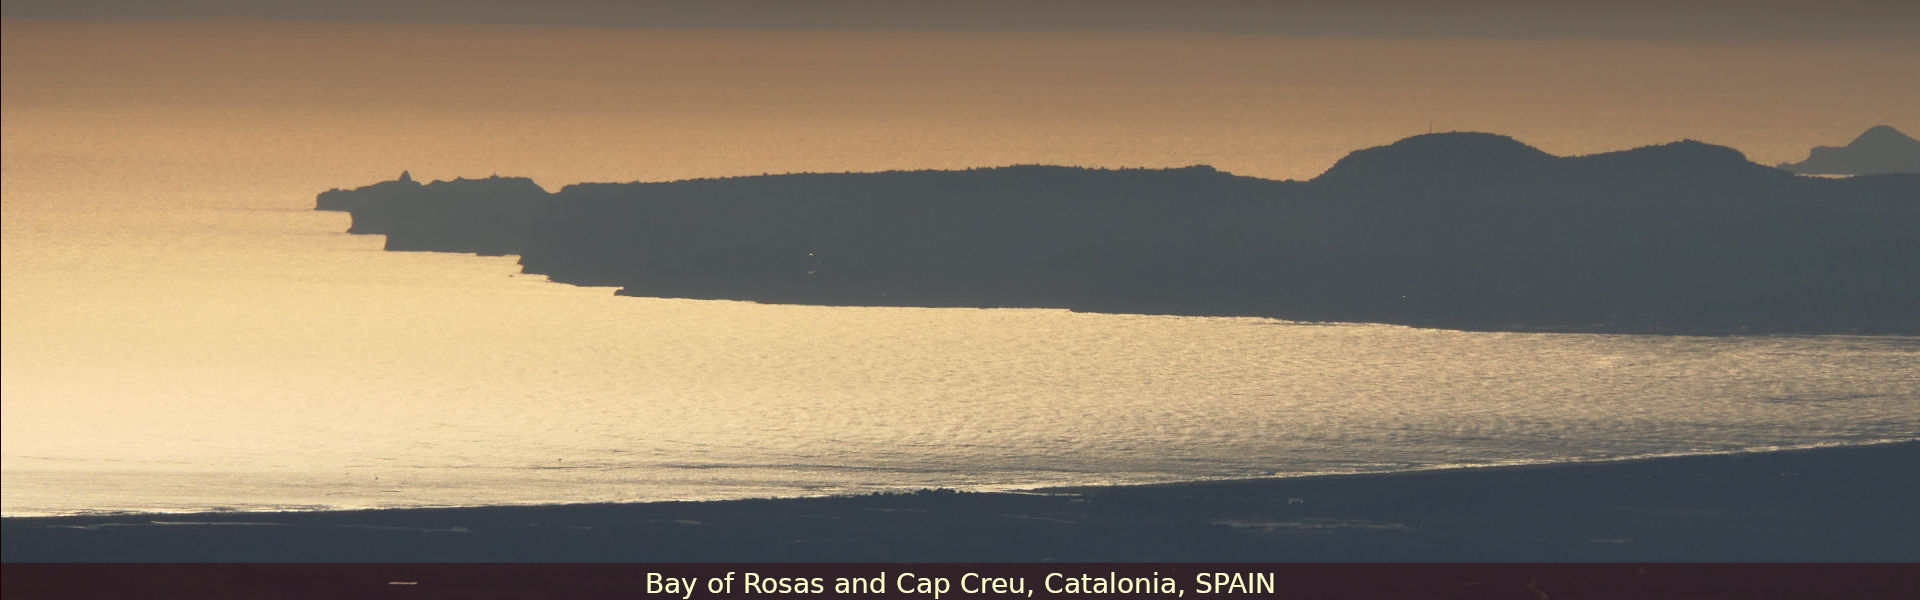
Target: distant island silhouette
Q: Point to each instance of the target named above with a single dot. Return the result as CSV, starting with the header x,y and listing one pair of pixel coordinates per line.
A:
x,y
1452,230
1880,149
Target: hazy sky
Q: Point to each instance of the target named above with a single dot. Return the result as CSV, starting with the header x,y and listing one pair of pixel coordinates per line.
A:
x,y
315,94
1501,18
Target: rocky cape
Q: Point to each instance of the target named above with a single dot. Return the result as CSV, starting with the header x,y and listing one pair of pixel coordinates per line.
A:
x,y
1880,149
1452,230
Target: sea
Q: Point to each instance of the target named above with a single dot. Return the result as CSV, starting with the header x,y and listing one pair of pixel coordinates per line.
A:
x,y
183,333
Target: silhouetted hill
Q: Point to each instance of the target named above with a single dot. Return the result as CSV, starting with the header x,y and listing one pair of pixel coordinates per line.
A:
x,y
1438,158
1459,230
1880,149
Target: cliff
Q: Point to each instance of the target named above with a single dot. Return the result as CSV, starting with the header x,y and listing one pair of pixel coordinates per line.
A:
x,y
1472,231
491,216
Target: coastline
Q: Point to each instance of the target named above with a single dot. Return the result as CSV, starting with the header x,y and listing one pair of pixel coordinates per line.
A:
x,y
1845,503
1462,231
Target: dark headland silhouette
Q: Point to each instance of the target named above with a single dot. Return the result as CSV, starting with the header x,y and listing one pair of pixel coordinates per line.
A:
x,y
1880,149
1453,230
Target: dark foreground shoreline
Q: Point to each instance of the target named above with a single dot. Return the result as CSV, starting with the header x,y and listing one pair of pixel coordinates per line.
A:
x,y
1850,504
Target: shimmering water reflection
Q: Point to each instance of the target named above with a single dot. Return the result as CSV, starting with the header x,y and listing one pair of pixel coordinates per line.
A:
x,y
328,374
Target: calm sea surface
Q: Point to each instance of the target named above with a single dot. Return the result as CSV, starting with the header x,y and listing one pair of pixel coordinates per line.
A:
x,y
181,333
259,359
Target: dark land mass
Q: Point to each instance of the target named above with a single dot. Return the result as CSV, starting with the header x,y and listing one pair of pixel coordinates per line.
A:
x,y
492,216
1880,149
1832,504
1455,230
